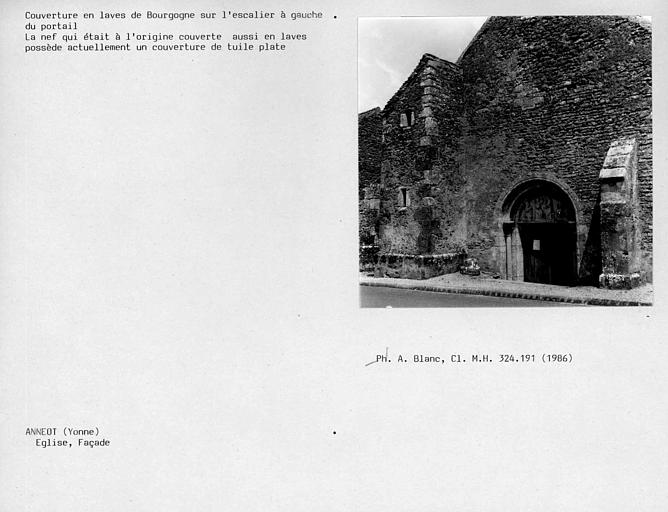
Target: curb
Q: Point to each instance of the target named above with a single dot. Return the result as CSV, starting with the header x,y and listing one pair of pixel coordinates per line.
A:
x,y
594,301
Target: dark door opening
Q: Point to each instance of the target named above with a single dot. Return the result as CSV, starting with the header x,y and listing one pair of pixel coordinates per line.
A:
x,y
549,252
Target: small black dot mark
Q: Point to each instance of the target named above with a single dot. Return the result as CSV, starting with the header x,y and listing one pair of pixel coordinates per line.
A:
x,y
334,432
335,18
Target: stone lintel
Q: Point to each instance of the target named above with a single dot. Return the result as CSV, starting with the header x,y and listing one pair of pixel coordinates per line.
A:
x,y
615,173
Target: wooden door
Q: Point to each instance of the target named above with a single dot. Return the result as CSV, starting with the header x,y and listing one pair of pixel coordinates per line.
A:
x,y
549,252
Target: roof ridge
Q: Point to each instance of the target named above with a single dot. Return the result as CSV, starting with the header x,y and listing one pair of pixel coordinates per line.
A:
x,y
424,61
369,112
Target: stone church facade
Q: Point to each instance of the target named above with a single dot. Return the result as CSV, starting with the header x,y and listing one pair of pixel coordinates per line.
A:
x,y
532,153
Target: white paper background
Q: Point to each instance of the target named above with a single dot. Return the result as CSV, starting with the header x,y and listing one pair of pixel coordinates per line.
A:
x,y
178,266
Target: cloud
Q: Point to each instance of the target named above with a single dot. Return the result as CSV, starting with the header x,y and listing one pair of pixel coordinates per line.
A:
x,y
395,75
390,48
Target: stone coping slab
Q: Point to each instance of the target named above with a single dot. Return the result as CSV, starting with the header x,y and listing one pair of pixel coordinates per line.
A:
x,y
484,285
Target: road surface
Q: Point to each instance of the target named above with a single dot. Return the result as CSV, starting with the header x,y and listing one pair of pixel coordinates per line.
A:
x,y
381,297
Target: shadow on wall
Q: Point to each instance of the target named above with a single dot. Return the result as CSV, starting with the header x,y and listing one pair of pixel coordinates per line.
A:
x,y
428,226
590,264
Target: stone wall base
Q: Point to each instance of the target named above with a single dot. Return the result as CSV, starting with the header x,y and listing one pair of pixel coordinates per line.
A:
x,y
622,281
411,266
368,257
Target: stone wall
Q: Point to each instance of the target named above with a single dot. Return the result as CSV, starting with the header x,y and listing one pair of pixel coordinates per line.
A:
x,y
412,266
420,132
546,96
369,159
531,98
369,156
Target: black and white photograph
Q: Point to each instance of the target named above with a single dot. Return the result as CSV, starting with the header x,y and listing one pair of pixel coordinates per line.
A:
x,y
505,161
333,256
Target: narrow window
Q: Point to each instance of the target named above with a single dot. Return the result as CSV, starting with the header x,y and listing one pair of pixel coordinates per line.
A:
x,y
407,118
404,199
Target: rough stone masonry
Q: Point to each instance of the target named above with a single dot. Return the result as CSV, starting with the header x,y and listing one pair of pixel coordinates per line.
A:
x,y
532,153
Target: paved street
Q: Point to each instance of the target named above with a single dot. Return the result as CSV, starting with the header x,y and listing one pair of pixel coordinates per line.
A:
x,y
380,297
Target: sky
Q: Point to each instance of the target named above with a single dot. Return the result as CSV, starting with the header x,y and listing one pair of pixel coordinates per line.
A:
x,y
390,48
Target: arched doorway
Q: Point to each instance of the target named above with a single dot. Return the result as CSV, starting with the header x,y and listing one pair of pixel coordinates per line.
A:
x,y
540,235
